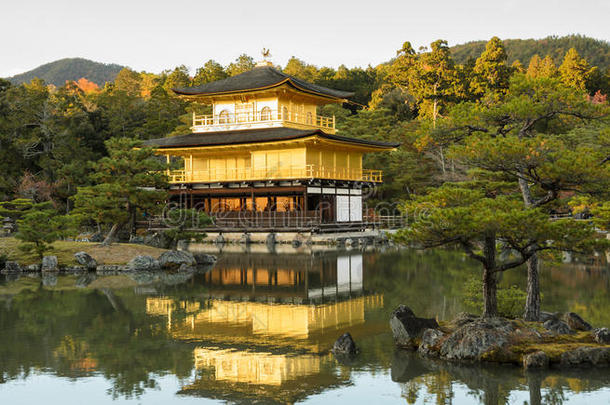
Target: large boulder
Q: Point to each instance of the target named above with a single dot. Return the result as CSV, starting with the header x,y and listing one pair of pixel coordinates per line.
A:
x,y
407,328
345,345
602,336
49,263
534,360
473,340
429,342
143,263
556,326
594,356
84,259
547,316
174,259
575,322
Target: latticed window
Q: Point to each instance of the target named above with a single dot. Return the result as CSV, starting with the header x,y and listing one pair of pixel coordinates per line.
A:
x,y
285,113
266,114
224,117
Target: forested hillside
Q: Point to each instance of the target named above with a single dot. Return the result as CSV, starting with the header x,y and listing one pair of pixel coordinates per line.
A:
x,y
595,51
59,71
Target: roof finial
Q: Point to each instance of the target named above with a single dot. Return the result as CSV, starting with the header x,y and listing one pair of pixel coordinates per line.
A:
x,y
266,53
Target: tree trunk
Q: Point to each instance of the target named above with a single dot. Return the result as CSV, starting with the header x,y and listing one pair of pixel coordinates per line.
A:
x,y
110,236
490,301
532,303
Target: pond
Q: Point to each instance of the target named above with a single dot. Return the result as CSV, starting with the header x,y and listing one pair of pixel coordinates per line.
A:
x,y
257,327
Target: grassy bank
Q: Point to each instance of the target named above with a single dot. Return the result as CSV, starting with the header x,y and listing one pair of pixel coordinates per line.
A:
x,y
117,253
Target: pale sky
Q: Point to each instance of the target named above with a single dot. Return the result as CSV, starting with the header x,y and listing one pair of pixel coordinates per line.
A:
x,y
154,35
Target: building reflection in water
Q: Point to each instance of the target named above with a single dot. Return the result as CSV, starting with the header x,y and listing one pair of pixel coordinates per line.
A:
x,y
266,322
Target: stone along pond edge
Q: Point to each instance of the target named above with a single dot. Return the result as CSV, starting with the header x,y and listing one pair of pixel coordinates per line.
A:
x,y
558,340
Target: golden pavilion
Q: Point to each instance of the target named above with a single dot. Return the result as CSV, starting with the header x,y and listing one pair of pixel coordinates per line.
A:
x,y
265,151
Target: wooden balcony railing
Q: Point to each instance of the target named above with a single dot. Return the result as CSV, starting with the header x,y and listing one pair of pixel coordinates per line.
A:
x,y
261,119
280,173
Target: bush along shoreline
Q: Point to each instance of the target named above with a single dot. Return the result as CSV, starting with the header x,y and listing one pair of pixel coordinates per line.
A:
x,y
557,340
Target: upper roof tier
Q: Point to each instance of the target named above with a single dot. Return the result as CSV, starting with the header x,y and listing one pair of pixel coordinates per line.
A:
x,y
260,78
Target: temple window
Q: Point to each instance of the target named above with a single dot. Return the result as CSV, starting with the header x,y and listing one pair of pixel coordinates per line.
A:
x,y
266,114
224,117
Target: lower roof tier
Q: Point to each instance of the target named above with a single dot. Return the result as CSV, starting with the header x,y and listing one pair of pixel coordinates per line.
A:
x,y
257,136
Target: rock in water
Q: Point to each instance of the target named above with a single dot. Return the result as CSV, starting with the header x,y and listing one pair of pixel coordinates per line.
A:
x,y
173,259
12,267
557,326
143,263
575,322
202,258
430,338
407,328
84,259
595,356
602,336
537,359
49,263
345,345
473,340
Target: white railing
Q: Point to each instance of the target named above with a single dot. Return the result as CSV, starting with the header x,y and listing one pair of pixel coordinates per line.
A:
x,y
262,117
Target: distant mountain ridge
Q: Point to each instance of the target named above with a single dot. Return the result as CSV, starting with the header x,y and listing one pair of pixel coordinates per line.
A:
x,y
595,51
59,71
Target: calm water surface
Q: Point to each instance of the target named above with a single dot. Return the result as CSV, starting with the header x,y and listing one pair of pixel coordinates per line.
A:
x,y
258,327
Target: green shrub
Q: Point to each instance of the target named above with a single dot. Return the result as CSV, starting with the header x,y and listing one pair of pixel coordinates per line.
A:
x,y
511,300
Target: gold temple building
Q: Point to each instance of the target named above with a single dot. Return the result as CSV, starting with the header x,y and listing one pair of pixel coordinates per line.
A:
x,y
265,151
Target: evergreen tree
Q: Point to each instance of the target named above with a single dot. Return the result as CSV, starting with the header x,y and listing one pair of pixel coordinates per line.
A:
x,y
491,74
242,64
128,182
210,72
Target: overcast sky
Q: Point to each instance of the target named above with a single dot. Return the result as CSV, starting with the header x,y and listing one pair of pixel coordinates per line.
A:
x,y
153,35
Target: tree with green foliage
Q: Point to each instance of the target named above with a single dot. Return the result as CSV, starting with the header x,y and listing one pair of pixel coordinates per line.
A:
x,y
489,223
130,180
210,72
242,64
128,81
528,139
177,78
490,73
41,226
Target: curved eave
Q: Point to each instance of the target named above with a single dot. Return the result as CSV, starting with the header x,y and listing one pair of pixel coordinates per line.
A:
x,y
316,137
271,86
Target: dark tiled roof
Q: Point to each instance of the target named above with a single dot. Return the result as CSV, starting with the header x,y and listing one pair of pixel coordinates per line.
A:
x,y
259,78
247,136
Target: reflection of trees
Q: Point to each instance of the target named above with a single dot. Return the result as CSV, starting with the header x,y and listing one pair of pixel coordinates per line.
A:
x,y
76,332
491,384
432,284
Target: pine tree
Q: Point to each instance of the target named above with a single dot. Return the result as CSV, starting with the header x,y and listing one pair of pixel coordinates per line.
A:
x,y
491,74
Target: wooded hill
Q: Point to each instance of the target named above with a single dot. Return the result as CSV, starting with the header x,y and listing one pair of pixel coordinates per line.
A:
x,y
595,51
72,69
